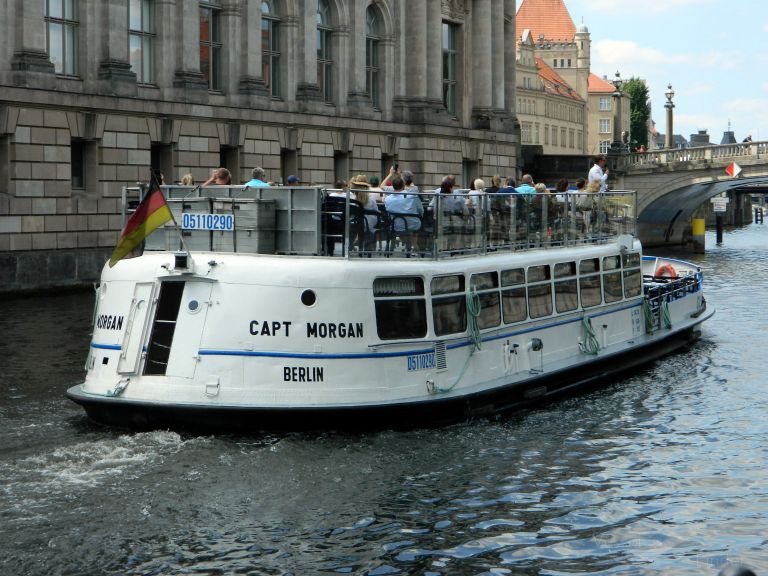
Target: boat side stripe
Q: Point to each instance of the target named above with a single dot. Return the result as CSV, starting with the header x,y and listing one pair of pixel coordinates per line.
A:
x,y
106,346
460,344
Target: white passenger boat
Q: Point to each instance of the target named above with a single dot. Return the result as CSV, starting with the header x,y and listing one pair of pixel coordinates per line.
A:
x,y
282,308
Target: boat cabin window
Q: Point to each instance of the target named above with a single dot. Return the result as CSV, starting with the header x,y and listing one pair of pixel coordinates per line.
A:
x,y
590,287
566,294
513,302
538,273
539,295
487,287
588,266
612,288
565,269
512,277
611,263
633,276
401,310
449,304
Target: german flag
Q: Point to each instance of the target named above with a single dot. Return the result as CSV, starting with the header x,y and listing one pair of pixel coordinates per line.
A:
x,y
150,214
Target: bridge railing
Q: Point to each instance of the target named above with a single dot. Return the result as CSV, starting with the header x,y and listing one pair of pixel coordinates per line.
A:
x,y
718,152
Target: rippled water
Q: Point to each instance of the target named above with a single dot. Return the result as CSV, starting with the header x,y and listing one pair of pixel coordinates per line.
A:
x,y
664,471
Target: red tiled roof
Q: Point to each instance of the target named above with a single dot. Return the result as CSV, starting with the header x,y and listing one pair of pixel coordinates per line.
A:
x,y
547,17
553,83
597,84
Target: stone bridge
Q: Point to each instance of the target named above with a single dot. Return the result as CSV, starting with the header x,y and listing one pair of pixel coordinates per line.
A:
x,y
672,184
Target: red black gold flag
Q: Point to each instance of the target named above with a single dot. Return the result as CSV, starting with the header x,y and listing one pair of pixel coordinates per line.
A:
x,y
151,213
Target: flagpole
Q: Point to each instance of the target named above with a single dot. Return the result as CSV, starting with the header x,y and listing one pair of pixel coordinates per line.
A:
x,y
154,181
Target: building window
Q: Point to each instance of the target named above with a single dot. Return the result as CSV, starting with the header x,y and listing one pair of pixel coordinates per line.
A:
x,y
605,103
546,134
525,133
372,39
605,126
555,63
450,75
554,135
77,163
210,42
324,54
61,35
604,146
140,38
569,62
270,49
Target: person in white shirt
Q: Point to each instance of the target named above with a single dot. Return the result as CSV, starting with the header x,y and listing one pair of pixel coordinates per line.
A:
x,y
599,173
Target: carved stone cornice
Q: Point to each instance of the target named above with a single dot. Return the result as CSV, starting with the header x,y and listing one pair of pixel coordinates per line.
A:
x,y
454,8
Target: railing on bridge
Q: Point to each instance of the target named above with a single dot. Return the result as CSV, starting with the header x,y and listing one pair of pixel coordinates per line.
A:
x,y
313,221
697,154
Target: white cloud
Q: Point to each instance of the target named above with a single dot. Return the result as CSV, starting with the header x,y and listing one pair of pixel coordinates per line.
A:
x,y
628,53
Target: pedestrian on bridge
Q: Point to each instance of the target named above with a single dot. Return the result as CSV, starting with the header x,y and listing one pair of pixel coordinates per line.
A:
x,y
599,173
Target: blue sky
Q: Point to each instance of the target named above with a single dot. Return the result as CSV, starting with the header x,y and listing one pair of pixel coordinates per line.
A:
x,y
713,52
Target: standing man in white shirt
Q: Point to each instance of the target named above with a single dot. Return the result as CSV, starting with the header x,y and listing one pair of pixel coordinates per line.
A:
x,y
599,173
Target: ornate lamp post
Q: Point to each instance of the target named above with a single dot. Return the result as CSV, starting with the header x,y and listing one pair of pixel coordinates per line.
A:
x,y
617,146
669,94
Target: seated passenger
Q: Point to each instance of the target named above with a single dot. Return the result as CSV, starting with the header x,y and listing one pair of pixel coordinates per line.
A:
x,y
397,202
258,178
219,177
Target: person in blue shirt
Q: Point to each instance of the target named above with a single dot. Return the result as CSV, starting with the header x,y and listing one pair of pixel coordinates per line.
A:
x,y
527,185
399,203
258,178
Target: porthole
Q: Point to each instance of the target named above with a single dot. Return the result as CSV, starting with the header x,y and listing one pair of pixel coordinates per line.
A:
x,y
193,306
308,297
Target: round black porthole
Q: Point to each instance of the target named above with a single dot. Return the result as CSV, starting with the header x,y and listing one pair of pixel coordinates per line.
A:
x,y
308,297
193,306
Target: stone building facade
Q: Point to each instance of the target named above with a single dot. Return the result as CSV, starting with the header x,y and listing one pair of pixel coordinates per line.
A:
x,y
94,92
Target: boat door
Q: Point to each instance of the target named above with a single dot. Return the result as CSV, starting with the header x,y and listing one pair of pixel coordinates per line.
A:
x,y
135,329
190,322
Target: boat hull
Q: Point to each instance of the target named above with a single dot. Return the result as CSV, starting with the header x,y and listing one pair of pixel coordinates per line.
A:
x,y
436,410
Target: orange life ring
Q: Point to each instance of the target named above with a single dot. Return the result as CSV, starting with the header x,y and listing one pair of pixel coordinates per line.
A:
x,y
665,271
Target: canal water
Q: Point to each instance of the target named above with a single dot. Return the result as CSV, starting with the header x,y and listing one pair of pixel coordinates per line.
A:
x,y
663,471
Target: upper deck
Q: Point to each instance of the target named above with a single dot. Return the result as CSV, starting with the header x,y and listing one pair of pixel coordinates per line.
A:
x,y
314,221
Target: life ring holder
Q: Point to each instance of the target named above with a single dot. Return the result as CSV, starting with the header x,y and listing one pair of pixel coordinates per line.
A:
x,y
665,271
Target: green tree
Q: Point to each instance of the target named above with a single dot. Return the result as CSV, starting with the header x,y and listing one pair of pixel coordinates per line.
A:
x,y
639,112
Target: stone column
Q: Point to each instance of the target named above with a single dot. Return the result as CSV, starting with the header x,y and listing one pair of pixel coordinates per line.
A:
x,y
341,63
357,96
187,75
166,44
498,54
434,33
29,54
292,55
115,73
307,88
250,73
482,66
510,48
231,56
416,37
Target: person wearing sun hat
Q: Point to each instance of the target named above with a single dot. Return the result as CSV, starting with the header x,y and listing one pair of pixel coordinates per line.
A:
x,y
359,182
362,193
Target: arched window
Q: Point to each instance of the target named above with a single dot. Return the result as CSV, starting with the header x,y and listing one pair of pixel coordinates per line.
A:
x,y
324,53
270,48
372,70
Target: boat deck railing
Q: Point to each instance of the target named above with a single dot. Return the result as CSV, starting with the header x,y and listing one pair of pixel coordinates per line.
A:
x,y
325,222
